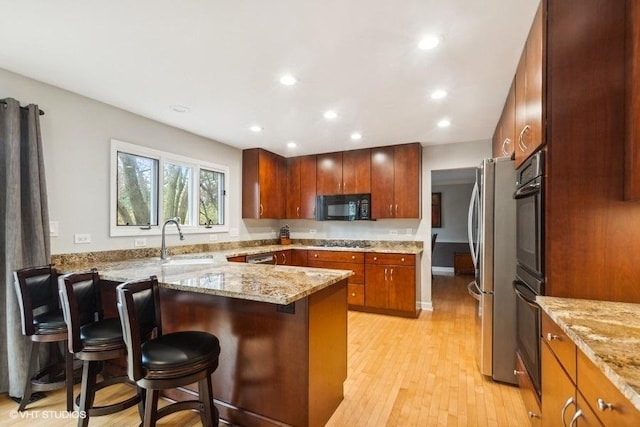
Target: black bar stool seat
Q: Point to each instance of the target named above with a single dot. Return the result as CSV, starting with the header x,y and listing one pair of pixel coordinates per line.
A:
x,y
99,336
179,353
50,323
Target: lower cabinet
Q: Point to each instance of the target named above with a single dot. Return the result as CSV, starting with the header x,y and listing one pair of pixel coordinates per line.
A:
x,y
343,260
528,393
574,391
390,283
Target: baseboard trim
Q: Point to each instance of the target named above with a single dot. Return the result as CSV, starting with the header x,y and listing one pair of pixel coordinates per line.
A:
x,y
443,270
426,305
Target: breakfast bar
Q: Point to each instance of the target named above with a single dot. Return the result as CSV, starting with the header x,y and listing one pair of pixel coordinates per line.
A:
x,y
282,332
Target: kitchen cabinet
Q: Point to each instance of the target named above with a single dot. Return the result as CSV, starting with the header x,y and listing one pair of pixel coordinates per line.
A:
x,y
390,283
263,184
573,388
530,398
343,260
299,257
396,181
345,172
241,258
528,92
632,102
301,187
503,137
282,257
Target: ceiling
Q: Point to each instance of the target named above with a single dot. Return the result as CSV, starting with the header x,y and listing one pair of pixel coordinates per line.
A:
x,y
223,61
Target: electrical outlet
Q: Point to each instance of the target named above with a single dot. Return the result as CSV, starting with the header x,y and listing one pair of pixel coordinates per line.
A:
x,y
393,232
140,242
54,228
82,238
312,231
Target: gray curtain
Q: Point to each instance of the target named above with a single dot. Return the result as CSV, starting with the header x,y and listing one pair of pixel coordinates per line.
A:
x,y
24,239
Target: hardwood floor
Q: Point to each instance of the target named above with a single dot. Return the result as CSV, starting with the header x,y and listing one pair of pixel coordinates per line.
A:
x,y
402,372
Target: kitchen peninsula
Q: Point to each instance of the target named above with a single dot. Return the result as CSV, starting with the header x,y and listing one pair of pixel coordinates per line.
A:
x,y
282,331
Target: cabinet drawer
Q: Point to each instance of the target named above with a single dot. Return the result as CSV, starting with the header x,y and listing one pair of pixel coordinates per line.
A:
x,y
595,387
528,393
358,269
337,256
356,294
561,345
588,417
390,259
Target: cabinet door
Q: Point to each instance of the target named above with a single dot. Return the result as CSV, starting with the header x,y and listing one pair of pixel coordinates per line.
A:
x,y
508,125
356,171
329,173
632,101
529,87
407,161
272,183
299,257
308,187
401,288
282,257
557,390
293,188
375,288
382,182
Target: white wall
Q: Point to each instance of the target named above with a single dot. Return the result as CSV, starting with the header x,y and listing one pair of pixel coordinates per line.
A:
x,y
76,134
455,205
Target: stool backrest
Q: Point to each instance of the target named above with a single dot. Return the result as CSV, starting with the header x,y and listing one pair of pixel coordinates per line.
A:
x,y
37,291
81,303
139,309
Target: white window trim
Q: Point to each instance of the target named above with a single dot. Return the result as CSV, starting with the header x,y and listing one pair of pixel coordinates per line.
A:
x,y
162,157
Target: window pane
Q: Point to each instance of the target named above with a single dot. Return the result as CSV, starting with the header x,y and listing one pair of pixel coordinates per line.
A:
x,y
176,187
211,197
137,190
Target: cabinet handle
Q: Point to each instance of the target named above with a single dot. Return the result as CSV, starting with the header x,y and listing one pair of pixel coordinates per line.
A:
x,y
533,415
568,403
375,258
390,210
298,211
353,294
402,259
315,255
396,209
574,420
604,406
275,259
551,337
284,258
521,144
516,372
339,186
385,274
353,257
505,143
261,209
391,274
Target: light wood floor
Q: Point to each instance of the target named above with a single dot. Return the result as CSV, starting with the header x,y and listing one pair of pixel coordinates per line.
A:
x,y
402,372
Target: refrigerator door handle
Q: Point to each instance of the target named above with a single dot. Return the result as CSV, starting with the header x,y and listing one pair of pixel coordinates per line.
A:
x,y
472,204
474,290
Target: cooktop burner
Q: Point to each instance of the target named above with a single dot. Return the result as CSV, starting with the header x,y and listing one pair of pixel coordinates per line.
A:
x,y
345,244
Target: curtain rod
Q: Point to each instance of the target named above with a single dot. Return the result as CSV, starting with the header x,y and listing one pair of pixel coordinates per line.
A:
x,y
3,102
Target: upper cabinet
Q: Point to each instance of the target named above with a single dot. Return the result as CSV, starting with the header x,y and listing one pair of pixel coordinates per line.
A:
x,y
395,181
632,101
345,172
528,93
263,184
504,136
301,187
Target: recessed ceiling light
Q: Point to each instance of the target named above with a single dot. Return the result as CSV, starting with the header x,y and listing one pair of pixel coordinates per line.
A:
x,y
429,42
330,115
444,123
179,108
256,128
356,136
291,144
438,94
288,80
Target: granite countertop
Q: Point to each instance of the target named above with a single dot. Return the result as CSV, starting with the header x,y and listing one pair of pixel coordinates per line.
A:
x,y
210,273
608,333
378,248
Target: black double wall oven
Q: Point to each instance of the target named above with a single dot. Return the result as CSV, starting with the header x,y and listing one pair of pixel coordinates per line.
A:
x,y
529,281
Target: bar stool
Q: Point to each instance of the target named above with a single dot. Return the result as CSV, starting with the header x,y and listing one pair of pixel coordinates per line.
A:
x,y
42,321
157,361
92,339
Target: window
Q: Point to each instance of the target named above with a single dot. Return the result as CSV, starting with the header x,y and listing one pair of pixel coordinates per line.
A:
x,y
150,186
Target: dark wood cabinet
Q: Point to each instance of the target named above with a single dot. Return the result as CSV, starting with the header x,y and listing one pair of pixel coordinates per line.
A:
x,y
356,171
240,258
301,187
395,181
390,283
529,92
329,173
263,184
299,257
282,257
632,102
504,135
343,260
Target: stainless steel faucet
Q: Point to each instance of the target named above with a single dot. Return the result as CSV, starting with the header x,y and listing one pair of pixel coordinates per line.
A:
x,y
164,252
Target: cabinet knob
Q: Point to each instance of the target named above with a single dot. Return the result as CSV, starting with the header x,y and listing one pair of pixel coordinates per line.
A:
x,y
353,294
375,258
533,415
402,259
315,255
604,406
353,257
551,337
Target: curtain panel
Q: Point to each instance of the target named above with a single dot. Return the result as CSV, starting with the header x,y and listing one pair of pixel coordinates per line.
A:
x,y
24,239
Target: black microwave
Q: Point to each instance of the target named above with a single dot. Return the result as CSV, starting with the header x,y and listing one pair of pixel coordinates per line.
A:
x,y
343,207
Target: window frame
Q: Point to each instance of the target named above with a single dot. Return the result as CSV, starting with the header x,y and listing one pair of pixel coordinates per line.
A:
x,y
163,157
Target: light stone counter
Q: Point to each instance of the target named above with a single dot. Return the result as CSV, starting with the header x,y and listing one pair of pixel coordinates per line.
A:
x,y
210,273
377,247
608,333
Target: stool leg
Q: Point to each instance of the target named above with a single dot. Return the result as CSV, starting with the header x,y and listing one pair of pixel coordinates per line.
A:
x,y
87,390
33,360
150,409
209,413
68,379
143,397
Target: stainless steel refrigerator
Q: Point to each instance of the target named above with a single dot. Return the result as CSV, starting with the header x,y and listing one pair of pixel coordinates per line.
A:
x,y
492,240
